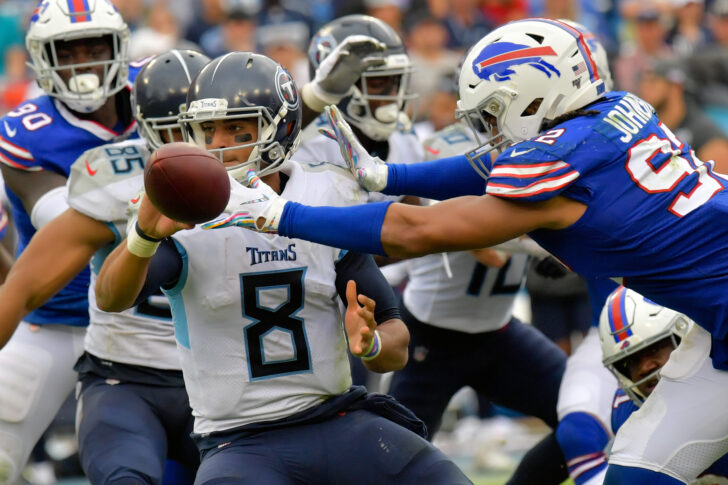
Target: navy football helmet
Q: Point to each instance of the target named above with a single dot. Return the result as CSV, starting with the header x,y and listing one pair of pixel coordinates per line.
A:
x,y
393,76
160,93
250,86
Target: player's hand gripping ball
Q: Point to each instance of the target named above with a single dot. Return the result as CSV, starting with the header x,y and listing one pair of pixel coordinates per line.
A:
x,y
186,183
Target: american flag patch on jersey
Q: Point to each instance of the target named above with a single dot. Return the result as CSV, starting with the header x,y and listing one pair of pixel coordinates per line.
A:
x,y
579,68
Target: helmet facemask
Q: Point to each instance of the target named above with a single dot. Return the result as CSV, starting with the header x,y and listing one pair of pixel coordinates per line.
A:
x,y
392,81
151,128
621,368
267,154
84,92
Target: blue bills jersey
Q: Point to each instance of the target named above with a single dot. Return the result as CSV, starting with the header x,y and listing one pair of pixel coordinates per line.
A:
x,y
623,407
655,216
43,134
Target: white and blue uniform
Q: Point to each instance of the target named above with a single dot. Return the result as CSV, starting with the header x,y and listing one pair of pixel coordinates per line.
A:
x,y
131,365
623,407
260,334
470,309
36,366
651,203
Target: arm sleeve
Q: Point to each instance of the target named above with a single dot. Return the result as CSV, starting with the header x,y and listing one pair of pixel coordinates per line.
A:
x,y
164,270
438,179
369,281
356,228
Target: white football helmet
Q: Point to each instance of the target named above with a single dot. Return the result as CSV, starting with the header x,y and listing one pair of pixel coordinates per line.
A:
x,y
521,74
630,323
53,21
397,69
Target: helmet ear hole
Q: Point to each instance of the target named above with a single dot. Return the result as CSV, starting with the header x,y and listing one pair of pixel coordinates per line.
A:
x,y
533,107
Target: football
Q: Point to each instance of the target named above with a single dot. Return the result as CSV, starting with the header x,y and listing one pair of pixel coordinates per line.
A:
x,y
186,183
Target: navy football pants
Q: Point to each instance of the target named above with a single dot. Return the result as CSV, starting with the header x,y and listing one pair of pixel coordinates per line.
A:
x,y
127,431
516,367
351,448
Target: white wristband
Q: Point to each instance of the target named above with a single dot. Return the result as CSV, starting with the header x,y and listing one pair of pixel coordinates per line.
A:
x,y
140,244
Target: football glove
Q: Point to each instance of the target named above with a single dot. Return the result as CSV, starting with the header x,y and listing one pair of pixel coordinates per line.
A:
x,y
253,205
371,172
341,69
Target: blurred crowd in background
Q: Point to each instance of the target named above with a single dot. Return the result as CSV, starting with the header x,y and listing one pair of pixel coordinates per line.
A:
x,y
673,53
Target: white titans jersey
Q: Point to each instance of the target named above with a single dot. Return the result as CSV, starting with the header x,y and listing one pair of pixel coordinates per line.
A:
x,y
257,315
316,148
476,298
100,185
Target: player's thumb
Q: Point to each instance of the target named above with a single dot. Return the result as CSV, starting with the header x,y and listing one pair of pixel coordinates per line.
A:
x,y
351,294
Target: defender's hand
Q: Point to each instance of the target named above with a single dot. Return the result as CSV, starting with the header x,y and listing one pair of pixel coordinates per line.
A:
x,y
253,205
341,69
371,172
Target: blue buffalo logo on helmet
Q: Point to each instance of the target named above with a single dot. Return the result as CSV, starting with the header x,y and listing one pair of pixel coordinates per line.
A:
x,y
497,60
286,88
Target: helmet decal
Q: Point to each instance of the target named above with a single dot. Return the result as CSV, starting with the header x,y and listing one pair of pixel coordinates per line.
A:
x,y
617,315
586,48
321,46
39,10
78,10
496,60
286,88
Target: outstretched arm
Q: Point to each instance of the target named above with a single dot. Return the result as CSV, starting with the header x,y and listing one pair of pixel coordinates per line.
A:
x,y
399,230
56,253
407,231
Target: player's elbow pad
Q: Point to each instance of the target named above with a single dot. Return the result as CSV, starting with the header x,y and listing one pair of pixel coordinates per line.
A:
x,y
50,205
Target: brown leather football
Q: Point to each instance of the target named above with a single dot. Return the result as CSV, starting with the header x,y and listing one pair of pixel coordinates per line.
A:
x,y
186,183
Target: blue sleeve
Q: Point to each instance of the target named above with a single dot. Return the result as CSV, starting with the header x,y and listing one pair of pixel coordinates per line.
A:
x,y
355,228
164,270
622,408
369,282
438,179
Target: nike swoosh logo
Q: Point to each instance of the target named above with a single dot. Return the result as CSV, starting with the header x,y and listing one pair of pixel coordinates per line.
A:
x,y
135,199
516,153
432,150
88,168
10,131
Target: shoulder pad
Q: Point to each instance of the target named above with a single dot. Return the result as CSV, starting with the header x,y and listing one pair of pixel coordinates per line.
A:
x,y
104,179
455,139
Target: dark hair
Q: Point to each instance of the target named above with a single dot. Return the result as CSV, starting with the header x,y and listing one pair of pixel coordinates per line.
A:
x,y
548,124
